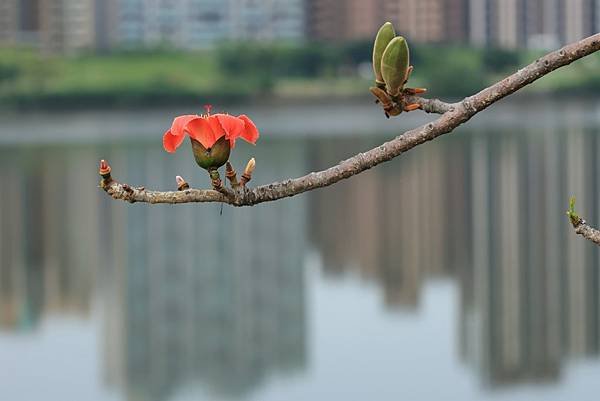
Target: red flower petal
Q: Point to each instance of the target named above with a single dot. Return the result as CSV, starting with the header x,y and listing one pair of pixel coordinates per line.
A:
x,y
179,123
233,127
173,137
200,129
250,133
215,125
172,142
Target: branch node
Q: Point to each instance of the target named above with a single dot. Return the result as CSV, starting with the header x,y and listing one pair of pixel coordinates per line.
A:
x,y
215,179
231,175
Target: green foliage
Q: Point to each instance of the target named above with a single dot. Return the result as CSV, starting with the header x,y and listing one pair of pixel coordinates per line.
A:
x,y
581,77
236,71
8,72
356,52
255,59
120,79
497,60
450,71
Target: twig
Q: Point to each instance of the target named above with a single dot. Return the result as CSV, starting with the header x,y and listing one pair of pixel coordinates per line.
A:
x,y
231,175
588,232
452,116
580,225
434,106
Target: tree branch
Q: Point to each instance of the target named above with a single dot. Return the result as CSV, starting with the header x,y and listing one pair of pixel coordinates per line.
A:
x,y
580,225
452,116
588,232
434,106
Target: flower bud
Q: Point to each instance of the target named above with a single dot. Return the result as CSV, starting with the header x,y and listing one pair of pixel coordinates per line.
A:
x,y
182,185
250,167
395,64
385,34
104,168
211,158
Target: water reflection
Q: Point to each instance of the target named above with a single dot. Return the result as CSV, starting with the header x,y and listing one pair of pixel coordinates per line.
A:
x,y
189,296
486,210
46,206
399,223
186,294
531,294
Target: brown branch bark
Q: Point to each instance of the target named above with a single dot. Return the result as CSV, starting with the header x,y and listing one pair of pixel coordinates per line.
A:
x,y
588,232
434,106
452,116
580,225
585,230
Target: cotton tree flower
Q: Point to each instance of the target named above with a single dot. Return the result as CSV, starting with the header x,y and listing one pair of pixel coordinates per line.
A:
x,y
212,136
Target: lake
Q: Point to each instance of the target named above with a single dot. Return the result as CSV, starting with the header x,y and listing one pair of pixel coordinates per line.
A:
x,y
450,272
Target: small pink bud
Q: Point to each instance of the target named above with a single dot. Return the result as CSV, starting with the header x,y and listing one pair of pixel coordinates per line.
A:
x,y
104,167
181,184
250,167
247,176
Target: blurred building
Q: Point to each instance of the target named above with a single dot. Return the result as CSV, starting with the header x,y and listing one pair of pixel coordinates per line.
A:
x,y
8,19
19,21
192,24
62,26
56,26
531,23
67,25
503,23
419,20
331,20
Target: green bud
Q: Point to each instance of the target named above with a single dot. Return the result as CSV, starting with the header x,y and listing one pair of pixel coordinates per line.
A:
x,y
385,34
573,216
394,65
214,157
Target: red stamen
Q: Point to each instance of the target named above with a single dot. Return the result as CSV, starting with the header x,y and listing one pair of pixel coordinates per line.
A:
x,y
208,108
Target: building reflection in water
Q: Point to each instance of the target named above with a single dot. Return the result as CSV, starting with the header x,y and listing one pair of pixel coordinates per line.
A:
x,y
489,211
531,295
189,296
399,223
40,272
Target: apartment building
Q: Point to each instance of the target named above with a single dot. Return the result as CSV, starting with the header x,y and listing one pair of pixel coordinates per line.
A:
x,y
19,21
192,24
531,23
69,25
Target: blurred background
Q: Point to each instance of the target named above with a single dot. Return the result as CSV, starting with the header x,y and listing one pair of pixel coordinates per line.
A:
x,y
450,272
138,53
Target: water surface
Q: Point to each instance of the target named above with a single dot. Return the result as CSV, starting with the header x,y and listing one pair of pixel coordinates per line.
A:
x,y
448,273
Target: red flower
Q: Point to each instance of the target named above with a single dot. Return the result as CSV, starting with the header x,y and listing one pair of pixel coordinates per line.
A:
x,y
208,129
